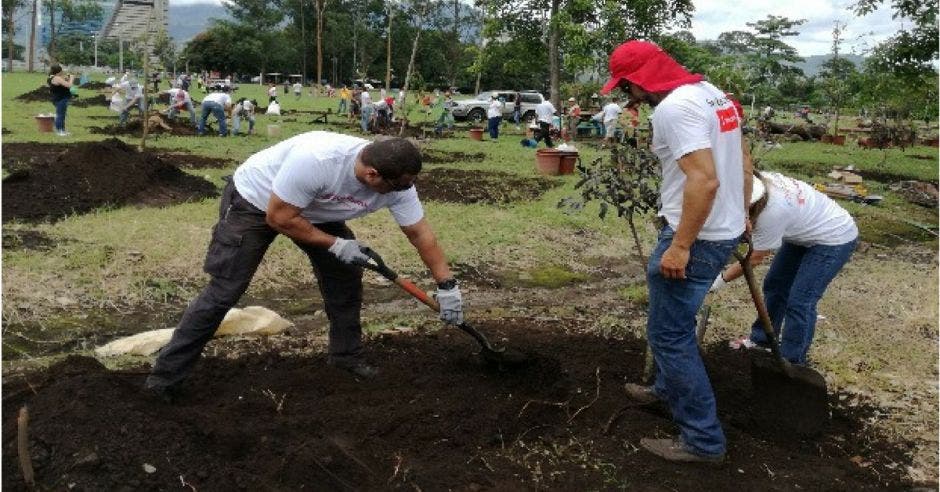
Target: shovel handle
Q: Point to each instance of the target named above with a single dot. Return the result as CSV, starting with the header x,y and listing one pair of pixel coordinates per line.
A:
x,y
418,294
762,314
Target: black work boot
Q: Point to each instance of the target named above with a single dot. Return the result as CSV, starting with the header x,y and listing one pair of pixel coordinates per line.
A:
x,y
644,395
355,365
162,394
675,450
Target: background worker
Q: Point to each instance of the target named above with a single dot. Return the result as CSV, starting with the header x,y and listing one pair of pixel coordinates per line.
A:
x,y
611,117
813,237
574,117
179,100
306,188
133,98
60,87
494,116
218,104
298,89
272,93
544,114
366,111
697,139
243,109
344,96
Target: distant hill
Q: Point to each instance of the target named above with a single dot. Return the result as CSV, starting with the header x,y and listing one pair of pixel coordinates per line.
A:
x,y
188,20
813,64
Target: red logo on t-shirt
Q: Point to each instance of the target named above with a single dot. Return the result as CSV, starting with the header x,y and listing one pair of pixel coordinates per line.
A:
x,y
727,119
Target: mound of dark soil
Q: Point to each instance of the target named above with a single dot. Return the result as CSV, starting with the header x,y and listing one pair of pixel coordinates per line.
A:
x,y
193,161
95,85
40,93
444,157
134,126
435,418
462,186
52,181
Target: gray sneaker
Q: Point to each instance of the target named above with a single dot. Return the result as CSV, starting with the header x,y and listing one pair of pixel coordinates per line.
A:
x,y
357,367
644,395
675,450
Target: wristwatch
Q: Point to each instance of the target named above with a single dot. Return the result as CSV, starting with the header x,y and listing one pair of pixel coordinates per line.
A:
x,y
447,284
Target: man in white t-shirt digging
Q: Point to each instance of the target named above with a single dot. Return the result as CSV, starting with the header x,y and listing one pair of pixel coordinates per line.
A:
x,y
219,105
306,188
611,116
697,138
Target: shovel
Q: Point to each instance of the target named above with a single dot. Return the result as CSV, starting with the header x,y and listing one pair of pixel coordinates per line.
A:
x,y
797,394
501,358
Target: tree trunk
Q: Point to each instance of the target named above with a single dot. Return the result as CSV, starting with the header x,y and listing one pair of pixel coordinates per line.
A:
x,y
455,44
303,40
321,7
388,51
11,26
411,64
32,37
50,51
554,69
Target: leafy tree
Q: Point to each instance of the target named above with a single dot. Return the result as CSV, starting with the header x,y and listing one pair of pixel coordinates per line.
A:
x,y
69,11
770,55
910,49
257,19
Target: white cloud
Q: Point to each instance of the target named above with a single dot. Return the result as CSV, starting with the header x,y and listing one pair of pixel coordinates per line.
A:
x,y
713,17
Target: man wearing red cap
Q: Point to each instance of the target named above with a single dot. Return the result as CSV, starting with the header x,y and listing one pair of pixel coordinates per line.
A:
x,y
697,138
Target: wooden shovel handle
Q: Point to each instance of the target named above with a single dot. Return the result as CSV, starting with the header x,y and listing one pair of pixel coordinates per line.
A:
x,y
419,294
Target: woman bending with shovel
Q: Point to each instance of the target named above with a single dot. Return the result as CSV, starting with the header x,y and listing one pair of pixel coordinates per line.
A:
x,y
813,237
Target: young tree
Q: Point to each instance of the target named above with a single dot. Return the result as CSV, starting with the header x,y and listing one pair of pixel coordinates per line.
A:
x,y
835,74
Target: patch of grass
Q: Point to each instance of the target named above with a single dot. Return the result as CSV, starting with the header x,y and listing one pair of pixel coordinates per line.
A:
x,y
636,293
551,277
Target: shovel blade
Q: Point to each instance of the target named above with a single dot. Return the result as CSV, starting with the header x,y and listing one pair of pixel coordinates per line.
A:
x,y
796,402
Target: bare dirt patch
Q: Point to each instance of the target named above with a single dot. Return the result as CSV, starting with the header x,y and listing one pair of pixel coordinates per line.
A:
x,y
463,186
279,418
51,181
181,128
42,94
444,157
26,239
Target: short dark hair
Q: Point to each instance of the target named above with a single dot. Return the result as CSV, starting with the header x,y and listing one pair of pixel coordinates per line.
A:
x,y
55,68
393,157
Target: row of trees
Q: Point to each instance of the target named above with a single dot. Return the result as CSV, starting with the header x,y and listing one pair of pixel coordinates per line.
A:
x,y
549,45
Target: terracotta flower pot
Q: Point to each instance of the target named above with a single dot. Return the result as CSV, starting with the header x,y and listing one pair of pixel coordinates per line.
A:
x,y
44,123
838,139
826,138
476,134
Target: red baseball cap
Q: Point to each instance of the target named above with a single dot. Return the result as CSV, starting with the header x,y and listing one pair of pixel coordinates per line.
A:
x,y
645,64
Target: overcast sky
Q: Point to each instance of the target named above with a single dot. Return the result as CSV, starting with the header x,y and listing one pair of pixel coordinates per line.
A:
x,y
713,17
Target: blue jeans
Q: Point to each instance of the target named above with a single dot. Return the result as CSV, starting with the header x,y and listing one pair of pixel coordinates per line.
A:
x,y
516,116
61,106
122,119
215,109
796,281
366,114
493,125
342,106
189,107
237,123
681,379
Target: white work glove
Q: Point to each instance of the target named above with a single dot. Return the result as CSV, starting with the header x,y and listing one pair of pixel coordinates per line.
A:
x,y
718,284
350,251
451,304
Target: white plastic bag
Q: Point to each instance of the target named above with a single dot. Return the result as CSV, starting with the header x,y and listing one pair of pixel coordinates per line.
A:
x,y
117,102
274,108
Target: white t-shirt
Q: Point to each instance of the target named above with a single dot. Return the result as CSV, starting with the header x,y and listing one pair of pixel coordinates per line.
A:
x,y
799,214
381,105
298,88
365,98
218,97
694,117
495,110
272,91
545,111
244,108
611,112
315,171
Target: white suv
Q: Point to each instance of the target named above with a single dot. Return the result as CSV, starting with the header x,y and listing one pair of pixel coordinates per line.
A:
x,y
474,110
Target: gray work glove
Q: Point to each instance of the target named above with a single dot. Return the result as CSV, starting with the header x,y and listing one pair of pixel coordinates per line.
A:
x,y
451,304
350,251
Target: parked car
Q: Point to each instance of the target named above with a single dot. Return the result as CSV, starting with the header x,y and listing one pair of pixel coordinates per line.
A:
x,y
474,110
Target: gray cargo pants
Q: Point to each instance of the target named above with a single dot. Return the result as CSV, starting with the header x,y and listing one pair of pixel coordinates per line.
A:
x,y
239,241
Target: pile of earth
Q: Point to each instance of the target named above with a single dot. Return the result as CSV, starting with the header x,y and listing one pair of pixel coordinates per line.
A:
x,y
444,157
134,126
40,93
470,186
52,181
436,418
95,85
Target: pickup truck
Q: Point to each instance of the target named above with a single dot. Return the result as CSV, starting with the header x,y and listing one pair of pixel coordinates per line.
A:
x,y
474,110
